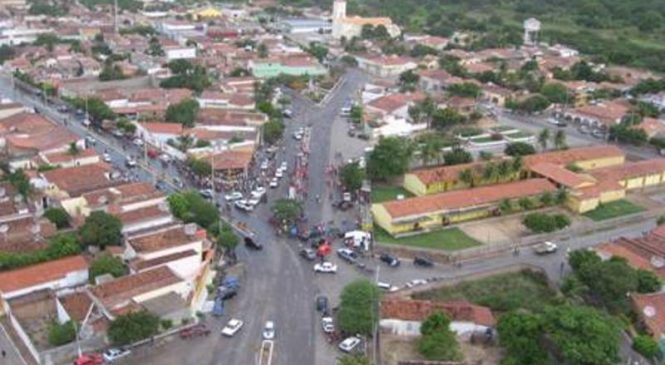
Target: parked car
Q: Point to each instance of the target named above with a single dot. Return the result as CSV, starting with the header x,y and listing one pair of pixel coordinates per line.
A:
x,y
194,331
258,193
114,354
106,158
287,113
138,142
130,162
584,129
274,183
232,327
206,193
218,307
422,261
308,254
349,344
90,141
347,255
386,286
269,330
325,267
249,242
243,204
391,260
327,324
415,282
322,303
279,173
556,122
597,133
545,248
235,195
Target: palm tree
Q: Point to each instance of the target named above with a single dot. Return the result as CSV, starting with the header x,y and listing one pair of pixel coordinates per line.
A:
x,y
561,196
73,149
430,149
560,140
468,177
503,170
517,165
544,138
490,172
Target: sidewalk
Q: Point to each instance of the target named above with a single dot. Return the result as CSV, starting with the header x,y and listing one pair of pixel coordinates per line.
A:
x,y
12,356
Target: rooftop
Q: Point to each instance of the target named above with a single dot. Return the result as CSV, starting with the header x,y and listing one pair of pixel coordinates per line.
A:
x,y
33,275
163,239
465,199
121,290
651,308
419,310
564,157
442,173
80,179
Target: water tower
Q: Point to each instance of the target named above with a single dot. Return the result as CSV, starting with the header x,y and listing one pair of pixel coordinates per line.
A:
x,y
531,32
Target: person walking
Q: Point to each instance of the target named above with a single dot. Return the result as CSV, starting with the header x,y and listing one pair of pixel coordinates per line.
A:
x,y
4,353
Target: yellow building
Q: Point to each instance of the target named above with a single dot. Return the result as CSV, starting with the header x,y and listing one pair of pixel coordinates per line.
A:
x,y
434,211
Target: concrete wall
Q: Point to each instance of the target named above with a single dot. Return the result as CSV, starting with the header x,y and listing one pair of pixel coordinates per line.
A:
x,y
601,162
413,184
73,279
181,288
25,338
196,246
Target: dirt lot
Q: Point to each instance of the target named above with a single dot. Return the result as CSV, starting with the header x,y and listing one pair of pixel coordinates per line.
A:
x,y
396,348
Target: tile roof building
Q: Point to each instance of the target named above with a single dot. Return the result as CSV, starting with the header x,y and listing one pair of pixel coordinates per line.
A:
x,y
57,274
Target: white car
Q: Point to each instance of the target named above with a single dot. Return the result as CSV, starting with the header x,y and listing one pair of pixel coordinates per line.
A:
x,y
279,173
297,136
233,196
283,166
259,192
130,162
349,344
325,267
243,204
165,158
269,330
327,324
111,355
274,182
106,157
90,141
138,142
416,282
545,248
253,202
232,327
264,165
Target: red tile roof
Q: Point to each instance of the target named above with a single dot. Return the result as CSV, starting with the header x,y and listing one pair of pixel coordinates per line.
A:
x,y
41,273
561,175
392,102
231,160
76,305
630,170
140,265
161,239
163,128
80,179
580,154
419,310
651,308
119,291
442,173
454,200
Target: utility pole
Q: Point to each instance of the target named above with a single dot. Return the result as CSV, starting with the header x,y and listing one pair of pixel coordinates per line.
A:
x,y
115,15
375,334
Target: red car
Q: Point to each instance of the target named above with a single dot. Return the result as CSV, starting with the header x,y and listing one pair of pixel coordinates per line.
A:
x,y
195,331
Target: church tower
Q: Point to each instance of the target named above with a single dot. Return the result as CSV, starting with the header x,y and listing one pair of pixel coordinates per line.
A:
x,y
339,9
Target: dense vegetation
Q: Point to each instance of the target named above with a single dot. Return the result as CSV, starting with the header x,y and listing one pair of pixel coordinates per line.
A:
x,y
622,32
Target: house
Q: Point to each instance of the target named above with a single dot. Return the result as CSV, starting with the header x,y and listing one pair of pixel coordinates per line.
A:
x,y
214,99
603,115
496,94
67,159
385,66
179,53
58,274
657,99
652,127
650,310
128,293
437,179
646,252
24,135
347,27
117,198
395,105
404,317
438,210
231,165
294,66
71,182
180,247
158,133
437,80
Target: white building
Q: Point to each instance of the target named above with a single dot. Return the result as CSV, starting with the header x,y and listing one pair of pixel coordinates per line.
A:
x,y
349,27
177,53
56,275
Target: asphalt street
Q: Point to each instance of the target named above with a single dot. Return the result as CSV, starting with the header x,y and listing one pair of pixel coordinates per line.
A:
x,y
280,286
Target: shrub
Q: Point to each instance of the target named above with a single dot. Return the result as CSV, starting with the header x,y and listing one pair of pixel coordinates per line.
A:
x,y
133,327
545,223
60,334
57,216
646,346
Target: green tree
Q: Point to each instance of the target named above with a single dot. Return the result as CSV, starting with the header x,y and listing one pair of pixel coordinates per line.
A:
x,y
273,131
544,138
545,223
647,346
356,114
520,335
582,335
389,158
647,282
560,140
60,334
457,156
57,216
111,72
107,264
438,341
6,53
190,207
180,66
101,229
262,50
445,118
183,112
555,93
199,166
546,199
352,176
227,237
465,89
133,327
408,80
73,149
519,149
287,210
20,181
357,309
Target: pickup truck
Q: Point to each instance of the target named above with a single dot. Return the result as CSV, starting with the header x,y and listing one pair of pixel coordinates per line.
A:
x,y
545,248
